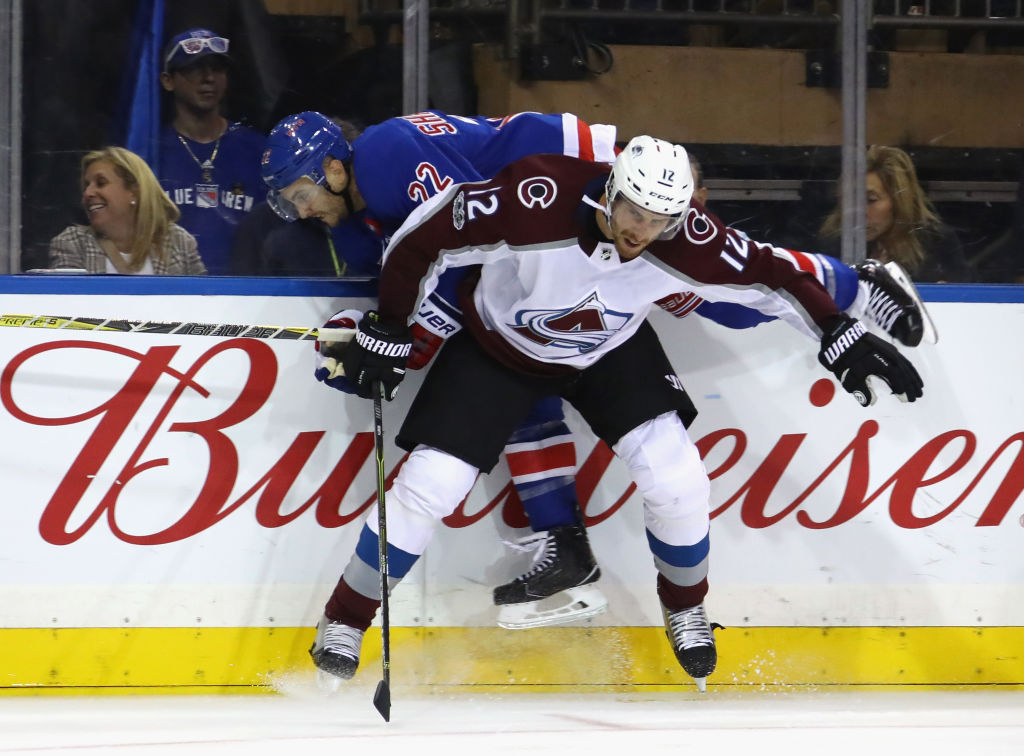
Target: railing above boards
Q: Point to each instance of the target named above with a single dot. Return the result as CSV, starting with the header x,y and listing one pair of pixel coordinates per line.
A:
x,y
786,190
977,14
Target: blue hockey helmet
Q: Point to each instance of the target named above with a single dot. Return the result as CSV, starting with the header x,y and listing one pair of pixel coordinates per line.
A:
x,y
298,146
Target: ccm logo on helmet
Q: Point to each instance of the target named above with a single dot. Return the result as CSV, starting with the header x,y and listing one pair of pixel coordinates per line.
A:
x,y
385,348
539,190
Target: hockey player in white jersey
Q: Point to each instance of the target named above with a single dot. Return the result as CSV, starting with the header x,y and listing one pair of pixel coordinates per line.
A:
x,y
588,253
389,162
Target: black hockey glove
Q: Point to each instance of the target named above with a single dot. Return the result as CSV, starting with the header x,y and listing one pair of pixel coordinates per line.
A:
x,y
378,353
854,355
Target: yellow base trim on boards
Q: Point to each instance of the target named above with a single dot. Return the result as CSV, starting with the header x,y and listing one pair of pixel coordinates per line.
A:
x,y
227,659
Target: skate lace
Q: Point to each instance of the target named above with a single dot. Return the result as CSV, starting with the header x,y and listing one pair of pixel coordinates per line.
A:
x,y
530,542
342,639
544,549
690,628
884,309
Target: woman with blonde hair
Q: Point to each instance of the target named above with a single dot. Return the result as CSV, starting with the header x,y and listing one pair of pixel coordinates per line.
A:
x,y
901,223
132,228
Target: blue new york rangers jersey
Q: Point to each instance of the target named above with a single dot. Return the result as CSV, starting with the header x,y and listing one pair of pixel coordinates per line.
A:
x,y
403,161
213,199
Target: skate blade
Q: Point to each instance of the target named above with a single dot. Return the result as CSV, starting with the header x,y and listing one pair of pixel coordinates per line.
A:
x,y
566,606
702,684
327,683
931,333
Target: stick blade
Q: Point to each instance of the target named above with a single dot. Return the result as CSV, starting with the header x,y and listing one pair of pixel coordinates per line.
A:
x,y
382,700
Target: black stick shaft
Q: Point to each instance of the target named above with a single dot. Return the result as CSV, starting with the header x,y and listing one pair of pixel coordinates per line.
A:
x,y
382,697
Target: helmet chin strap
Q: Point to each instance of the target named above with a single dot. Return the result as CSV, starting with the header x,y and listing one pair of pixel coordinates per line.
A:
x,y
345,195
605,208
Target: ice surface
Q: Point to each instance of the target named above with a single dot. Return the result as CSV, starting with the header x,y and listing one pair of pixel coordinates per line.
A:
x,y
724,721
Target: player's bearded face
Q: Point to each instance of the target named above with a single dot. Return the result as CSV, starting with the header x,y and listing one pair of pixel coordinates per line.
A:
x,y
311,200
634,228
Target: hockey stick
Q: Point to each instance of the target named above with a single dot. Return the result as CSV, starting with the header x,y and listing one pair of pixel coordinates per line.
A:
x,y
382,696
180,328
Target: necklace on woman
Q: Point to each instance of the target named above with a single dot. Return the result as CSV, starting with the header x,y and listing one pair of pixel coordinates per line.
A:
x,y
206,166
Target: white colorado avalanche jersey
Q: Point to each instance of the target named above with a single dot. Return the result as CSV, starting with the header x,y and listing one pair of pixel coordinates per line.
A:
x,y
552,294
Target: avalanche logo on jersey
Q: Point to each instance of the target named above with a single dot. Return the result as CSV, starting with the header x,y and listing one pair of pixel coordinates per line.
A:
x,y
581,328
537,191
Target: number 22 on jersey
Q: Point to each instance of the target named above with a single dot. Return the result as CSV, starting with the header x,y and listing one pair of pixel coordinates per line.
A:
x,y
429,183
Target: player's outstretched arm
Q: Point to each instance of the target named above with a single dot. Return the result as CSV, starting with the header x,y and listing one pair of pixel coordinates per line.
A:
x,y
854,355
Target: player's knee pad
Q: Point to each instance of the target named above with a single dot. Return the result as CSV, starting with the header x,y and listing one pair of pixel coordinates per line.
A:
x,y
431,483
670,475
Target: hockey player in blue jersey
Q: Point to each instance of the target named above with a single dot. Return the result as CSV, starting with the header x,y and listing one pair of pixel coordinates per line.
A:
x,y
374,183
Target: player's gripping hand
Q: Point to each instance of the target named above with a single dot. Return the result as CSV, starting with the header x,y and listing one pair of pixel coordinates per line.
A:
x,y
332,340
378,353
854,356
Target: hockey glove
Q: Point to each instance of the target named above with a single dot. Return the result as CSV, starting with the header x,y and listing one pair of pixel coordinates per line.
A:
x,y
854,356
378,353
332,341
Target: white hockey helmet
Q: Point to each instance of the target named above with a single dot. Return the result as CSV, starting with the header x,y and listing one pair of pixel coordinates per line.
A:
x,y
655,175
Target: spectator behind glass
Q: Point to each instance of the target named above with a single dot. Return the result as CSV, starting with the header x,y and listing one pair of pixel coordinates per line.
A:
x,y
901,223
208,165
132,225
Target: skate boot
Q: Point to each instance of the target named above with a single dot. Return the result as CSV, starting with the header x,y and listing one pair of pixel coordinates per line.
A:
x,y
693,641
335,652
894,304
558,588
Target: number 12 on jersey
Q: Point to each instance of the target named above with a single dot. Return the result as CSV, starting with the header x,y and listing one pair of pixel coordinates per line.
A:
x,y
736,251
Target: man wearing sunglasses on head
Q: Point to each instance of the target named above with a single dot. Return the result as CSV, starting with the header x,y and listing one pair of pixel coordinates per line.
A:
x,y
208,165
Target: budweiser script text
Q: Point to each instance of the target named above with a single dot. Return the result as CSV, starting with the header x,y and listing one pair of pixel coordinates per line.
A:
x,y
118,415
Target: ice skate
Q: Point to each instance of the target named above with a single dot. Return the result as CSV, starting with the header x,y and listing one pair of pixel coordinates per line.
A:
x,y
569,605
893,303
335,653
558,588
693,642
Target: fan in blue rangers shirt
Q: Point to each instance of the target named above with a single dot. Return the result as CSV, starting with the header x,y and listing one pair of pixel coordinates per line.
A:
x,y
374,183
568,258
208,165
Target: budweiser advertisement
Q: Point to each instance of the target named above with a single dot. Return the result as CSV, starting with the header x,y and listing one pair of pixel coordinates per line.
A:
x,y
163,480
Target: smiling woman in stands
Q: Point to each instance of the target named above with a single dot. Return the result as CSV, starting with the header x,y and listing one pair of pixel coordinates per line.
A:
x,y
901,223
132,227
